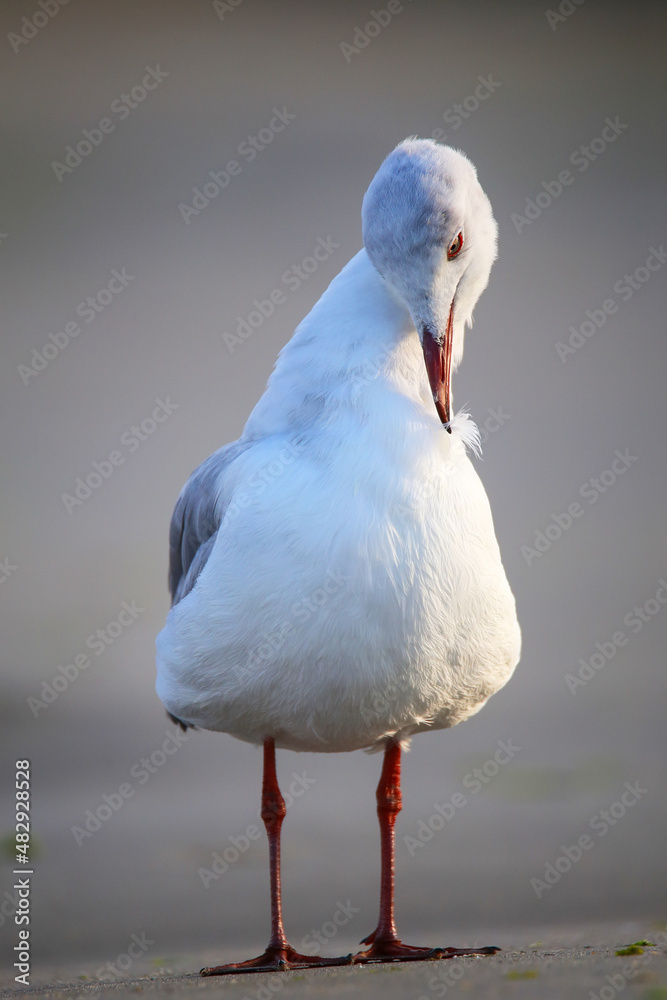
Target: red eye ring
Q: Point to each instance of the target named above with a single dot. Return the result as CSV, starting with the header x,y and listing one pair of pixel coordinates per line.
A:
x,y
455,248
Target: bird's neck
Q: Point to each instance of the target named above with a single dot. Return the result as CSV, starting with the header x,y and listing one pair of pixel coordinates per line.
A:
x,y
357,343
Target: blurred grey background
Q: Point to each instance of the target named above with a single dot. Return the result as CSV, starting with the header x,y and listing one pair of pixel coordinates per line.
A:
x,y
546,84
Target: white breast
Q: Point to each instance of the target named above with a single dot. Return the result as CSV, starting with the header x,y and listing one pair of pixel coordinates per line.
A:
x,y
355,589
344,603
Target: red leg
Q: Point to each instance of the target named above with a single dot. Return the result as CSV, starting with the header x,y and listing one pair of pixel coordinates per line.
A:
x,y
384,941
279,954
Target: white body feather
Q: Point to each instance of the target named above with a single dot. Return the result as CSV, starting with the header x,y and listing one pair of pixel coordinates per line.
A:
x,y
354,590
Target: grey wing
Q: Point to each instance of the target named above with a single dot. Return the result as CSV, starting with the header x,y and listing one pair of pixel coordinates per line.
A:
x,y
196,519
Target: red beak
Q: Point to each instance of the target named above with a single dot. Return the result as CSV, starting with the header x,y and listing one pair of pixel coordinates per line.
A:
x,y
438,358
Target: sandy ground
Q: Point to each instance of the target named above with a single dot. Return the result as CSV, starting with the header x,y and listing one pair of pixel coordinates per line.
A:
x,y
566,964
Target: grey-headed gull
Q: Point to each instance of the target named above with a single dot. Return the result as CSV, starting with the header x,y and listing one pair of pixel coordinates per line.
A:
x,y
336,580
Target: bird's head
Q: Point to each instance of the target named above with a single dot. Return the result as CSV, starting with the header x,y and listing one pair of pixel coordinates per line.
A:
x,y
429,231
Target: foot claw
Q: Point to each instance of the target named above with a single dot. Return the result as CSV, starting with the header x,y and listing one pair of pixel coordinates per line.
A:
x,y
391,951
275,960
395,951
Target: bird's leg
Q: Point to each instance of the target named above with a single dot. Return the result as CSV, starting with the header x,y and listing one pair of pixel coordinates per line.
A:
x,y
279,954
389,804
385,944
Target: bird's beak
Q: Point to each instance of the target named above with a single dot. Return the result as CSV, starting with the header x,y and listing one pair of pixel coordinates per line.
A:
x,y
438,358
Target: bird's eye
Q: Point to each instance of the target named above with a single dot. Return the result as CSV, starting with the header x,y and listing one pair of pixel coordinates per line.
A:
x,y
455,247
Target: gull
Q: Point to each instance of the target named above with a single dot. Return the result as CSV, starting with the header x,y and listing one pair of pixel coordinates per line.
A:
x,y
336,580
